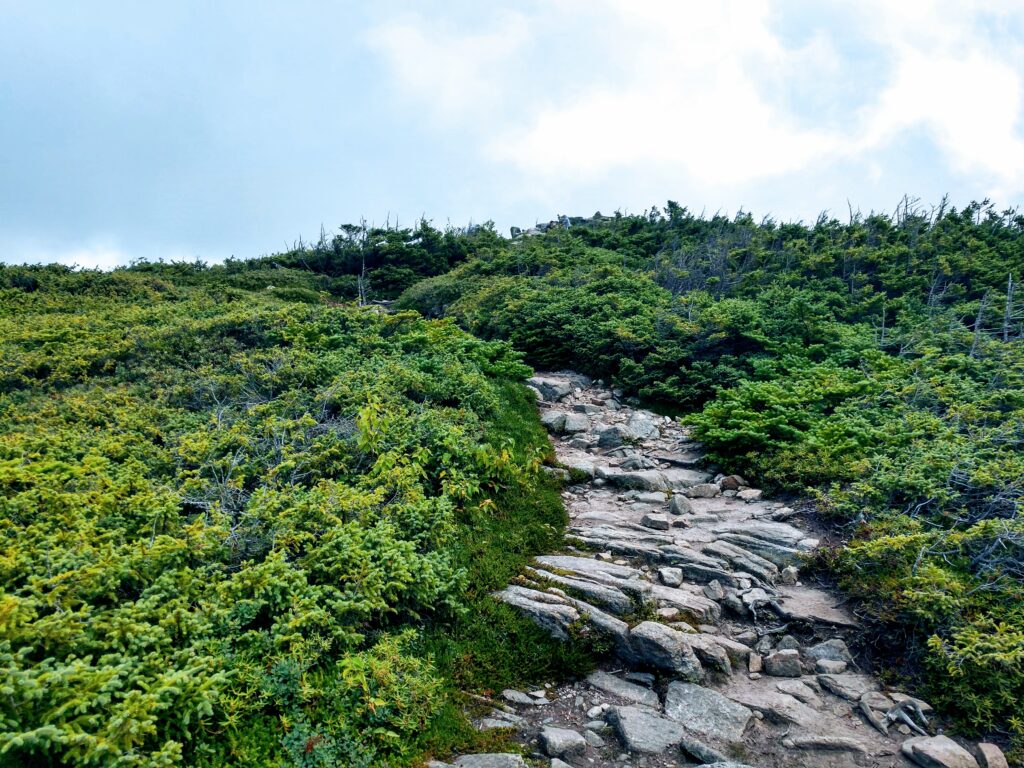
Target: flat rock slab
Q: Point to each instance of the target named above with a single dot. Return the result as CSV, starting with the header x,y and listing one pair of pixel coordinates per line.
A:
x,y
938,752
642,731
706,713
623,689
780,707
849,687
491,760
801,691
811,606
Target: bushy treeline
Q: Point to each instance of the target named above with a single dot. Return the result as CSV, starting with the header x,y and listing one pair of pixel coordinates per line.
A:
x,y
877,363
238,529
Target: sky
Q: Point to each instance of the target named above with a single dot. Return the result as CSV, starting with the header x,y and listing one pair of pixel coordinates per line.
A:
x,y
187,129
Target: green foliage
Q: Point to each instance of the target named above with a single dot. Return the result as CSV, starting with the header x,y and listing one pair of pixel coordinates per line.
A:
x,y
241,528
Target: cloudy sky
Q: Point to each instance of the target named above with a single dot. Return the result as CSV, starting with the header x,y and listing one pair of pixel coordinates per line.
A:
x,y
196,129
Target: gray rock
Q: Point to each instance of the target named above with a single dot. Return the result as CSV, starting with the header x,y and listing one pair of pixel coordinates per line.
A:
x,y
575,422
788,643
492,723
801,691
652,497
779,707
641,731
491,760
615,435
653,644
785,663
643,426
556,763
680,505
750,494
550,612
593,739
789,575
670,577
579,465
641,678
710,652
714,590
726,764
553,421
656,521
703,491
706,713
830,650
849,687
560,742
520,698
623,689
938,752
552,389
991,756
829,667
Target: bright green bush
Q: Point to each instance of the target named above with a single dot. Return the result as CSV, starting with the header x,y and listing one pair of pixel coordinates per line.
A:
x,y
237,529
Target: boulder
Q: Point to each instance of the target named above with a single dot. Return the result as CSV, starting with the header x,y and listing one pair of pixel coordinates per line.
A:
x,y
784,663
938,752
656,521
643,426
624,689
551,390
553,421
731,483
789,575
680,505
991,756
491,760
706,713
561,742
575,422
831,650
655,645
829,667
703,491
750,494
670,577
642,731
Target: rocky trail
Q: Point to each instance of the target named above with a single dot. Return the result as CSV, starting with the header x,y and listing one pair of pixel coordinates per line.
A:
x,y
722,655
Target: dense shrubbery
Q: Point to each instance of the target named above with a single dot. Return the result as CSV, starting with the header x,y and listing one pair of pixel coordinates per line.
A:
x,y
241,529
878,364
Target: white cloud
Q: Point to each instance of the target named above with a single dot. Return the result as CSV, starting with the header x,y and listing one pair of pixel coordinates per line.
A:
x,y
700,91
451,71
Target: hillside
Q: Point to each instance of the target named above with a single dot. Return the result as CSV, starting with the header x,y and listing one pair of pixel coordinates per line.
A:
x,y
248,521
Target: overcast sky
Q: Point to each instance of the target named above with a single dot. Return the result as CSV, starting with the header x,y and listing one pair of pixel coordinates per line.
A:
x,y
208,129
